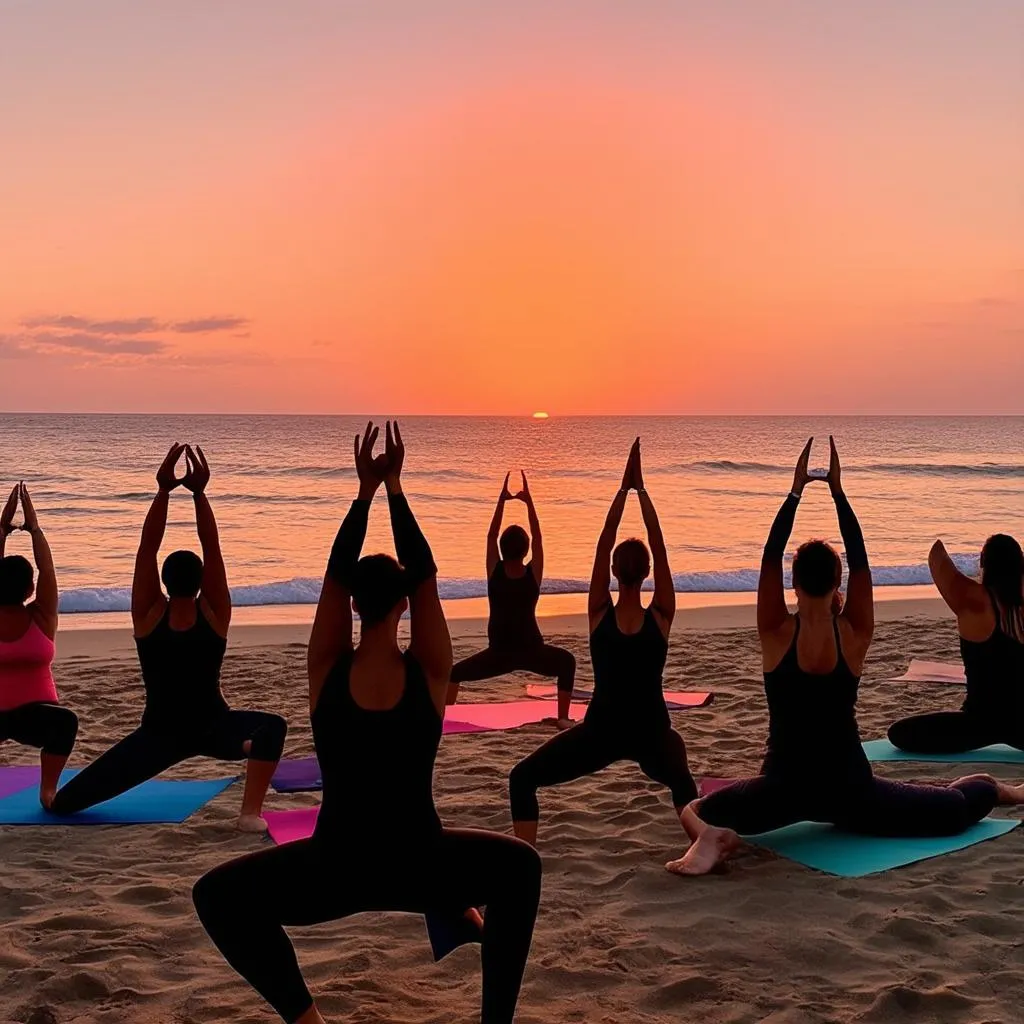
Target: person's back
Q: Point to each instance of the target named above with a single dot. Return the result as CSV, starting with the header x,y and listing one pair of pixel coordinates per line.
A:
x,y
26,656
512,594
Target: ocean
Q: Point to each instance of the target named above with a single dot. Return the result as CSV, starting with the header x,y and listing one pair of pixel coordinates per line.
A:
x,y
281,484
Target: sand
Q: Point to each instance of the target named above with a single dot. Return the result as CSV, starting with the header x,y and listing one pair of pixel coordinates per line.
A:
x,y
98,924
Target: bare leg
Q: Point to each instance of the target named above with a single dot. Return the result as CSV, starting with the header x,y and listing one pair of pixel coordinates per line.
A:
x,y
50,765
710,846
311,1016
526,830
453,694
257,780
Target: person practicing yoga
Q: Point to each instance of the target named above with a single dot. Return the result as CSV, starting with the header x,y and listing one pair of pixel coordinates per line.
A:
x,y
376,713
181,639
990,620
815,768
627,719
29,708
515,643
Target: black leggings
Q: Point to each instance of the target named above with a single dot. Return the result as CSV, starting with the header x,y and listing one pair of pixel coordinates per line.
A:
x,y
952,732
147,752
543,660
585,749
876,807
49,727
245,904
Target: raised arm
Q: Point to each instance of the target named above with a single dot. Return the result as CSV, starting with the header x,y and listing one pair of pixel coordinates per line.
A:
x,y
959,591
664,605
536,540
859,607
331,635
7,517
147,595
214,588
430,641
493,531
44,607
772,612
601,578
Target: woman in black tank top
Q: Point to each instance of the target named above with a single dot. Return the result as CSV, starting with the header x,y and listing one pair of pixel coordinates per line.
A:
x,y
627,719
514,640
379,845
815,768
181,639
990,620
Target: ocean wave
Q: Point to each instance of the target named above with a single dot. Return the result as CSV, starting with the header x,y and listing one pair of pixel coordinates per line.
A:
x,y
306,590
896,468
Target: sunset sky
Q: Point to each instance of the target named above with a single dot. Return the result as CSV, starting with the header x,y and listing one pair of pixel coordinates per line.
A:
x,y
593,207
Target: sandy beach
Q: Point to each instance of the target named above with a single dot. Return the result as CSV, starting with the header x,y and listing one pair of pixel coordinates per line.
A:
x,y
98,924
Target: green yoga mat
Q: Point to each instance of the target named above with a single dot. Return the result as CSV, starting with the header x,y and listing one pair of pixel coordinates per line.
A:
x,y
851,856
883,750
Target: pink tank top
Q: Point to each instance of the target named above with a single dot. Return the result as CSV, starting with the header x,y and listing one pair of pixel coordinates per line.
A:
x,y
25,676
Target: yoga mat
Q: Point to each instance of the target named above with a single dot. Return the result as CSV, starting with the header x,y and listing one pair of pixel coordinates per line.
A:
x,y
851,856
446,931
932,672
17,777
709,784
511,714
287,826
156,801
677,700
998,753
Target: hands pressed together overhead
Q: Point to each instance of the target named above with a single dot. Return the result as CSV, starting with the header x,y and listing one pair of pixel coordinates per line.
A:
x,y
803,476
19,493
385,468
197,469
633,475
523,494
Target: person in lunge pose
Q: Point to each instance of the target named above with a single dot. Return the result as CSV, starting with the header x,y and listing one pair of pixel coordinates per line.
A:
x,y
376,713
181,638
627,719
990,620
29,708
515,643
815,768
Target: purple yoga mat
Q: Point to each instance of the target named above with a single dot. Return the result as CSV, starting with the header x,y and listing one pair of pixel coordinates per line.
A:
x,y
15,778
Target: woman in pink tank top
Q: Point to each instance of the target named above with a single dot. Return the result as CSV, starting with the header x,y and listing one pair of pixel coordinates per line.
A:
x,y
29,711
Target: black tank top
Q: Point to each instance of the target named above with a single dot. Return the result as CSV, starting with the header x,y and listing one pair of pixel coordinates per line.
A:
x,y
628,669
995,675
513,603
812,721
377,766
181,672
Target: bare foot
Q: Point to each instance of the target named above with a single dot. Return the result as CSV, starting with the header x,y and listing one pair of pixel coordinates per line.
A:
x,y
564,723
251,823
711,848
475,917
46,797
1007,794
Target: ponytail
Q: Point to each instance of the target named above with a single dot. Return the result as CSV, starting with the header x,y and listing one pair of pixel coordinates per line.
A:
x,y
1002,575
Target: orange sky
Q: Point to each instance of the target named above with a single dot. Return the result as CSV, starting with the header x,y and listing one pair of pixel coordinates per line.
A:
x,y
642,213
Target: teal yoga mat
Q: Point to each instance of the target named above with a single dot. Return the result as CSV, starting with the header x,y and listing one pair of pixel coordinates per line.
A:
x,y
154,802
851,856
883,750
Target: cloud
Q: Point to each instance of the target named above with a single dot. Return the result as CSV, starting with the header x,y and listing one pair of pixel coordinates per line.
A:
x,y
209,324
135,325
97,344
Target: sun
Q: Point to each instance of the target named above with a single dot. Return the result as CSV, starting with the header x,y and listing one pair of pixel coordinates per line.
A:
x,y
540,415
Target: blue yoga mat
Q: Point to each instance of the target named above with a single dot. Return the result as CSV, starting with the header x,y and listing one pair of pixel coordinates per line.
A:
x,y
851,856
156,801
883,750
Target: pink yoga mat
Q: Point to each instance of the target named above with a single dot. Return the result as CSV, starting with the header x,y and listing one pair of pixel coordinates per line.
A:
x,y
932,672
287,826
709,784
510,714
674,698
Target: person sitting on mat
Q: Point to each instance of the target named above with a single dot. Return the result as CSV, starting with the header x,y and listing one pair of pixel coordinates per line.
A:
x,y
515,643
627,719
181,639
29,708
376,713
990,620
815,768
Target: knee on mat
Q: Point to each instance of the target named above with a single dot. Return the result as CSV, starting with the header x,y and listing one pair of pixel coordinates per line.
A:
x,y
63,732
268,740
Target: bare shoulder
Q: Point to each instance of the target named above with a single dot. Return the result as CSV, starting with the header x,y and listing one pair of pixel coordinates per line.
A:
x,y
775,642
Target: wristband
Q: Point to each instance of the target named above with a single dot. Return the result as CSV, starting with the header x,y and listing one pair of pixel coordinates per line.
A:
x,y
793,494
